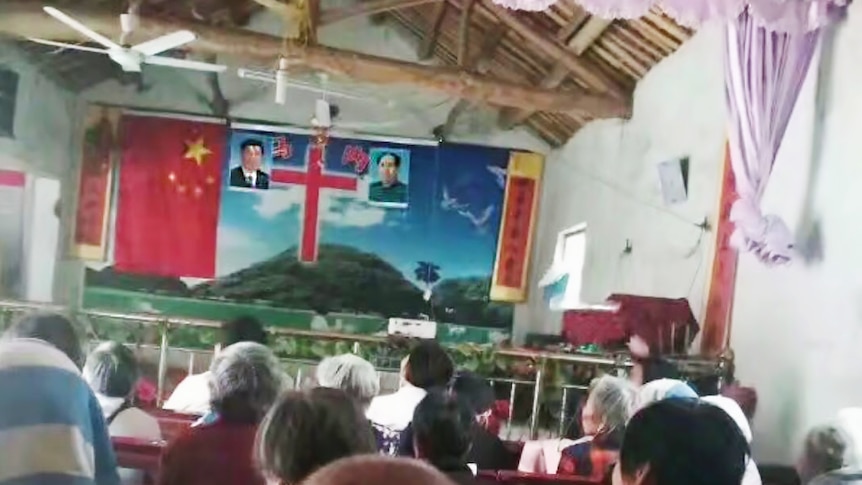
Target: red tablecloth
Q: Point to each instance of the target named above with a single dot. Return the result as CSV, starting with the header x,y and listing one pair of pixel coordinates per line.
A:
x,y
662,322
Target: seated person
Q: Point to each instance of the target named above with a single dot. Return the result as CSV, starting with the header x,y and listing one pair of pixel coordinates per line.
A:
x,y
681,441
51,419
352,374
661,389
608,408
488,451
728,405
192,394
824,455
245,380
442,435
375,470
112,373
307,430
53,328
427,366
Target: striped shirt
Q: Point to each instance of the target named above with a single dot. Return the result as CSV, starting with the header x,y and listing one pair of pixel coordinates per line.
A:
x,y
51,426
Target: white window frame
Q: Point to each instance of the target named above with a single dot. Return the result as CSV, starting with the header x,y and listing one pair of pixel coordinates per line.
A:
x,y
562,236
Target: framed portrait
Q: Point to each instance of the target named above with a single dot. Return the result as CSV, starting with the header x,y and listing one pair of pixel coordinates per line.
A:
x,y
250,162
390,177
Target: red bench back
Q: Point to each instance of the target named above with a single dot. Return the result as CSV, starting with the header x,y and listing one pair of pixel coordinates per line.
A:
x,y
138,454
519,478
171,423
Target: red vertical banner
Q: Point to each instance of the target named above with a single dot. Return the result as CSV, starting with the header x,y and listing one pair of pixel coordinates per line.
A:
x,y
719,303
94,183
169,195
520,204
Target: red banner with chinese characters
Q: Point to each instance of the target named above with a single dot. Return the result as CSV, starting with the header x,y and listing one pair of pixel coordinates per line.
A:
x,y
719,303
94,183
520,205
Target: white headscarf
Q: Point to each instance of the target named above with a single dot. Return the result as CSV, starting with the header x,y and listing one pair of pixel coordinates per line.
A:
x,y
660,389
729,406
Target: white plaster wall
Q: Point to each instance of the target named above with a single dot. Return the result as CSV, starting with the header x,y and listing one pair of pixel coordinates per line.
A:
x,y
45,145
796,329
394,110
607,176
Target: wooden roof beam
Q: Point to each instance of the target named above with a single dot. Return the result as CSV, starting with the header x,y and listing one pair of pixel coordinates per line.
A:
x,y
370,7
26,19
426,48
464,33
588,75
480,64
579,43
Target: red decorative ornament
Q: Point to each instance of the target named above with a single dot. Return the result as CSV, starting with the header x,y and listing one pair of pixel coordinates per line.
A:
x,y
320,136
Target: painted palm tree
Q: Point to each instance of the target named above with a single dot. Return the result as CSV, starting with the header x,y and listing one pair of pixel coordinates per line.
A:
x,y
428,273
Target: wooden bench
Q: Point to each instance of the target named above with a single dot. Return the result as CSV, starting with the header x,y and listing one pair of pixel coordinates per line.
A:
x,y
172,424
519,478
138,454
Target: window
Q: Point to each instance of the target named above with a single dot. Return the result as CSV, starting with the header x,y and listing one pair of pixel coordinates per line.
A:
x,y
562,281
571,249
8,97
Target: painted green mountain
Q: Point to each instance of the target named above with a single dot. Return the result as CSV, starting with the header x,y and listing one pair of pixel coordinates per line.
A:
x,y
345,281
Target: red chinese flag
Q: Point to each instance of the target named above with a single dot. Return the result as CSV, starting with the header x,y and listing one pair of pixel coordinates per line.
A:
x,y
168,202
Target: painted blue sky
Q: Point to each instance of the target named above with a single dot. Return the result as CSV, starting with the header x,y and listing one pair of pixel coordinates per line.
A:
x,y
453,217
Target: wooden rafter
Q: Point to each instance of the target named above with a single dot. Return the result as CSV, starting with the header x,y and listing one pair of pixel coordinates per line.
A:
x,y
26,19
426,48
586,74
579,43
479,63
464,33
370,7
313,20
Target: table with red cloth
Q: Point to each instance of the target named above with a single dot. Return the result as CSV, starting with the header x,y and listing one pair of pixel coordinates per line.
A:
x,y
667,325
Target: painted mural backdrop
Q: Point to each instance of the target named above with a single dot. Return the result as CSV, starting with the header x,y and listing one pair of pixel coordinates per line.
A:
x,y
215,221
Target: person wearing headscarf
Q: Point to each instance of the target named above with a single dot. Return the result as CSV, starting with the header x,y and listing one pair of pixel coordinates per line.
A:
x,y
661,389
729,406
682,441
52,430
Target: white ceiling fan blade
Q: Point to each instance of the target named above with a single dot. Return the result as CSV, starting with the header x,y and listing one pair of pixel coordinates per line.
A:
x,y
92,34
63,45
184,64
165,43
263,76
320,90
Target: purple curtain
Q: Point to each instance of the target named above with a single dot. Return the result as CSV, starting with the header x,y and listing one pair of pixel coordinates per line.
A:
x,y
764,72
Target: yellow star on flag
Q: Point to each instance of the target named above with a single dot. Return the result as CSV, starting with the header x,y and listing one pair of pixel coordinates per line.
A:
x,y
196,150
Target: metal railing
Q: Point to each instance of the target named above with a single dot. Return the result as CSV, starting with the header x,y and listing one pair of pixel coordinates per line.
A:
x,y
617,363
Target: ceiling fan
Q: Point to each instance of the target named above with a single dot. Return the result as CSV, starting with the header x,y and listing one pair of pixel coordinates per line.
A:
x,y
130,58
283,83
